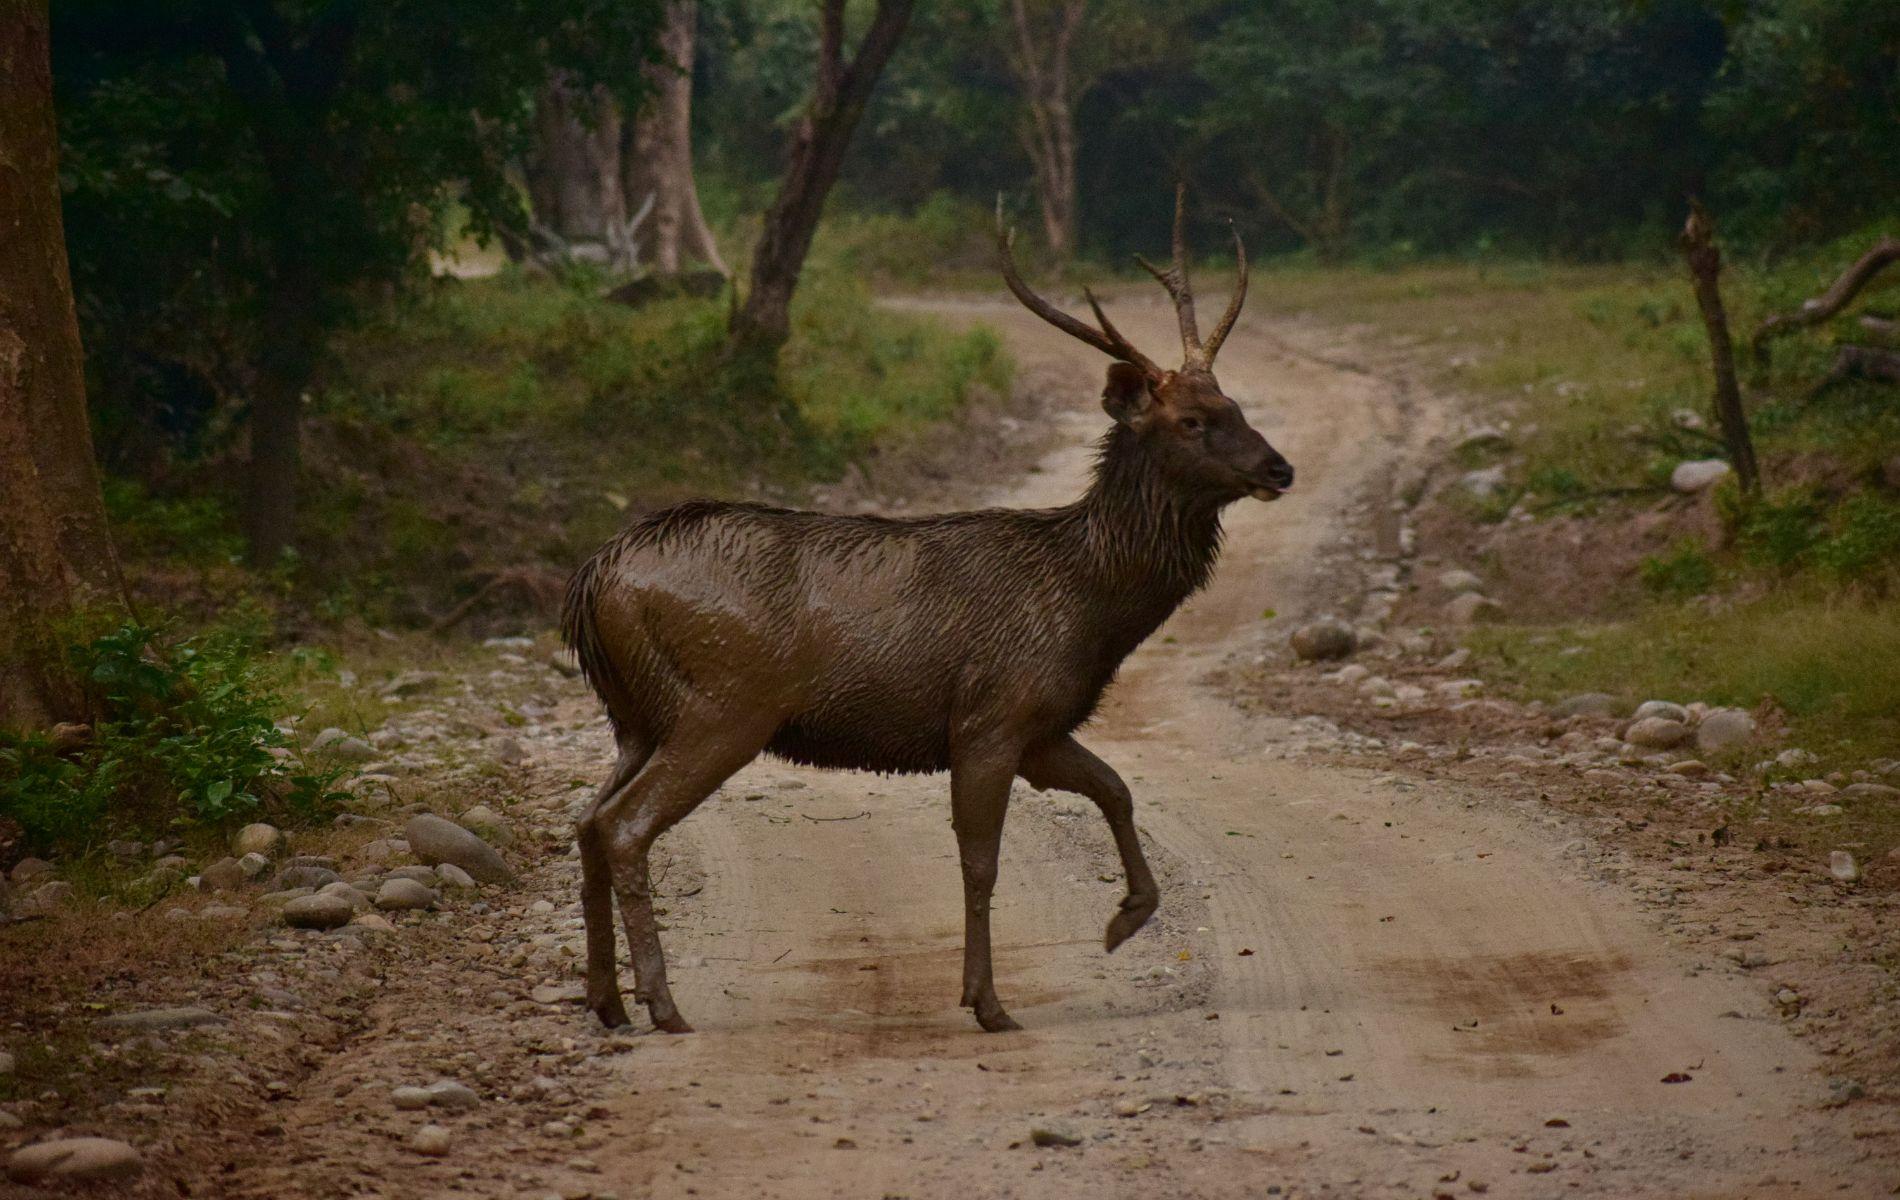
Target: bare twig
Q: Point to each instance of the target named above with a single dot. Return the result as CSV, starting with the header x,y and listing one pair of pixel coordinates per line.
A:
x,y
1839,294
865,813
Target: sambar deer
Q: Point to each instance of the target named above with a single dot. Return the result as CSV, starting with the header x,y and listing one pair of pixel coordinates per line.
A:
x,y
974,642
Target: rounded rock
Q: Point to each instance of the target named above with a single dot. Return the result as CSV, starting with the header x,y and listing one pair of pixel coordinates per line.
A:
x,y
1471,608
80,1158
225,875
258,838
1724,729
1656,733
436,840
1668,710
484,822
1460,580
1698,475
318,912
1589,704
432,1140
1323,639
454,876
410,1099
402,895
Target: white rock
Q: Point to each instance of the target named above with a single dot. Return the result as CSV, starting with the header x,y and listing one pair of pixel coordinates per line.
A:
x,y
1483,483
402,895
1724,729
432,1140
1323,639
1698,475
1662,708
410,1099
1460,580
318,912
253,864
1656,733
1472,607
258,838
447,1093
454,876
1841,865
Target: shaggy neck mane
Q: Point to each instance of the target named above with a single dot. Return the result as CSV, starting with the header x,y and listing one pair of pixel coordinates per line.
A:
x,y
1142,536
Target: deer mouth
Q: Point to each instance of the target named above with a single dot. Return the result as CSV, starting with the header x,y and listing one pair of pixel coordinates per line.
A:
x,y
1265,492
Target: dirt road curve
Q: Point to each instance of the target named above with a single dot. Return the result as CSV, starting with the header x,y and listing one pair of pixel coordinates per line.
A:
x,y
1357,986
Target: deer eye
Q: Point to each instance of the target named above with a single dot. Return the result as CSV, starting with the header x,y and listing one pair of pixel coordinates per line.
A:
x,y
1191,424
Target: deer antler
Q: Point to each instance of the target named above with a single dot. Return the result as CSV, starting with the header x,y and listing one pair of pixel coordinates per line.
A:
x,y
1108,339
1175,279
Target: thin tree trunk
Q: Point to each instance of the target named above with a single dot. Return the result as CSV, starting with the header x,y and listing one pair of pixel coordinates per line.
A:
x,y
1048,134
763,323
55,551
574,172
1705,269
657,157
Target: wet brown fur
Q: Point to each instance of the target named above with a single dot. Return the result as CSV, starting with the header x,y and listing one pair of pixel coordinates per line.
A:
x,y
973,642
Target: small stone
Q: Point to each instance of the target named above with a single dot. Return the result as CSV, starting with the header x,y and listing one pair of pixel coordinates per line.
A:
x,y
1589,704
402,895
1656,733
1725,729
1459,580
125,851
484,822
510,751
253,865
447,1093
453,876
347,892
318,912
352,749
48,896
1841,865
1472,608
304,875
258,838
432,1140
1131,1107
410,1099
1794,756
1326,638
30,869
148,1020
1054,1135
1688,768
1869,791
1484,483
225,875
410,683
1698,475
374,921
1665,709
436,840
81,1158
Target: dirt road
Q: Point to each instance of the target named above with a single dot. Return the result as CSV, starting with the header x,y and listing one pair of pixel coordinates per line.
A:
x,y
1358,985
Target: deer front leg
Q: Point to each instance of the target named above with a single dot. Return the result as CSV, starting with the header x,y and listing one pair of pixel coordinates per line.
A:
x,y
979,800
1068,766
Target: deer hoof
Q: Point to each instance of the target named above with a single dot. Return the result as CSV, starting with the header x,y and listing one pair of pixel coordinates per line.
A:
x,y
672,1023
611,1010
994,1020
1133,914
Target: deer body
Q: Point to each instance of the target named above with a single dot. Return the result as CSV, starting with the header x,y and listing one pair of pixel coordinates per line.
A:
x,y
975,643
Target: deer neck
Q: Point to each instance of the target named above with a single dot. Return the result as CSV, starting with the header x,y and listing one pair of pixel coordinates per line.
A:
x,y
1145,541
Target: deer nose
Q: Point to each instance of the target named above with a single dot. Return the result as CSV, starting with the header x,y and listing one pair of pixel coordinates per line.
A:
x,y
1280,473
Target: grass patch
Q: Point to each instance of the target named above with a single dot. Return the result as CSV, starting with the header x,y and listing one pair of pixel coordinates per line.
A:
x,y
1824,661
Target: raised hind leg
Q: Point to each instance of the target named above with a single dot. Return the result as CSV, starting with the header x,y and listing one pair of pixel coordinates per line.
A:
x,y
597,897
690,762
1068,766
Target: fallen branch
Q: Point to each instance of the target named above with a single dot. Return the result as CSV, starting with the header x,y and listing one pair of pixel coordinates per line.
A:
x,y
1881,327
865,813
1838,295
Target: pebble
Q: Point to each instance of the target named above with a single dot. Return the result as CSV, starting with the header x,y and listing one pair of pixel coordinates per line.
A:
x,y
454,876
318,912
347,892
1724,729
402,895
81,1158
1668,710
29,869
1841,865
448,1093
1588,704
1869,791
437,840
1131,1107
258,838
48,896
1698,475
484,822
305,875
1656,733
371,921
1326,638
253,865
432,1140
225,875
409,1099
1459,580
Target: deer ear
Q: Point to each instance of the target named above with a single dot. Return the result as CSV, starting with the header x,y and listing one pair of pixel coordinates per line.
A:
x,y
1127,396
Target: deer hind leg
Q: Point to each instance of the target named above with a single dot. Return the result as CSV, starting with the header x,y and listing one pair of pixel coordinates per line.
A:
x,y
597,897
1068,766
686,767
979,800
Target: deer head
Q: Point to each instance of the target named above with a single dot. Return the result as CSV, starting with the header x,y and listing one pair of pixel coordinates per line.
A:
x,y
1189,426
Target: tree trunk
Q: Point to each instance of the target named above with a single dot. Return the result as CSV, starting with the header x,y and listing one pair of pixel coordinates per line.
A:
x,y
763,323
574,172
1048,135
1705,269
55,552
657,154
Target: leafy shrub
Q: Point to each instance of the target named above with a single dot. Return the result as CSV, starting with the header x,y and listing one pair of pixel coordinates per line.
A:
x,y
1864,535
1780,529
1684,571
183,736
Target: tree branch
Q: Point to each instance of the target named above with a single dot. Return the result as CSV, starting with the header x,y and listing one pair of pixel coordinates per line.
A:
x,y
1839,294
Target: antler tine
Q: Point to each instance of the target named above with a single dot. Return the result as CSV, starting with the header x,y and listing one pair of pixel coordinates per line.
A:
x,y
1108,339
1232,314
1175,279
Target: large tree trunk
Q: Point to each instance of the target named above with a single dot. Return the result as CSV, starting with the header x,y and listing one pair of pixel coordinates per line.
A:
x,y
657,155
55,552
763,323
1048,135
574,175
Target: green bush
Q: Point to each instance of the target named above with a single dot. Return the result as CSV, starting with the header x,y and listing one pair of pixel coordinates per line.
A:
x,y
183,736
1684,571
